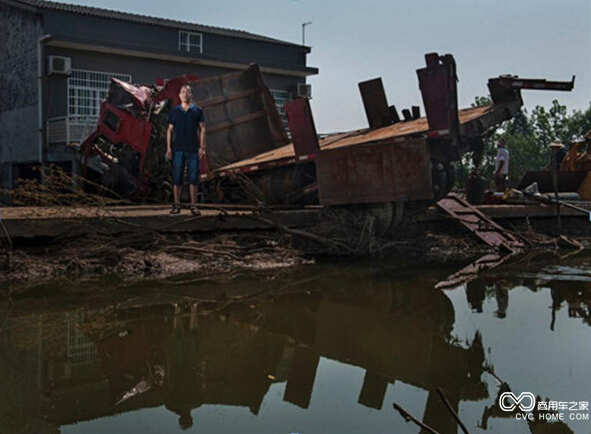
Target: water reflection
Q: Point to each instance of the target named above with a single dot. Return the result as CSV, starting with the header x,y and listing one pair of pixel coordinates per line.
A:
x,y
561,287
60,366
536,425
569,287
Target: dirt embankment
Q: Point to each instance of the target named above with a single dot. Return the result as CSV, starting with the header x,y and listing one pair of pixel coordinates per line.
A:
x,y
141,254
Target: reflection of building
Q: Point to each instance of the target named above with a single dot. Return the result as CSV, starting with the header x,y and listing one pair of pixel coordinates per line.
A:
x,y
57,61
148,355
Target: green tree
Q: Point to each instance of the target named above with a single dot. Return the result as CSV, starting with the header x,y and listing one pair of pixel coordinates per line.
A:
x,y
528,137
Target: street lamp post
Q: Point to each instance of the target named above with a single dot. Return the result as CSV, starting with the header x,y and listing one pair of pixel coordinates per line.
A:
x,y
304,31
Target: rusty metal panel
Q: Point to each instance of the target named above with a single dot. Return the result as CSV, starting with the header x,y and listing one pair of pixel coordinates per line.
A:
x,y
301,127
375,103
440,97
474,121
477,223
240,116
375,173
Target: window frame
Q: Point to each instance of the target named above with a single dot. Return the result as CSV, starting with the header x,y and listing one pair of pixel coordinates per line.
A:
x,y
281,97
185,44
86,90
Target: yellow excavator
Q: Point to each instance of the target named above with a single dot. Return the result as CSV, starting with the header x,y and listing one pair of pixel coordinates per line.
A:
x,y
578,159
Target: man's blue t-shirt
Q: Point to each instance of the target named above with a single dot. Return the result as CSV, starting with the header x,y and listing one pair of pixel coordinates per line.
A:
x,y
186,127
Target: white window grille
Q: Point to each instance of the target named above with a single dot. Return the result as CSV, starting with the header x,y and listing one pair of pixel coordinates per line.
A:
x,y
190,42
86,90
281,97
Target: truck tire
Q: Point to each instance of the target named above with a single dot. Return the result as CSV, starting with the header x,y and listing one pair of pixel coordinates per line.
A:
x,y
382,213
397,214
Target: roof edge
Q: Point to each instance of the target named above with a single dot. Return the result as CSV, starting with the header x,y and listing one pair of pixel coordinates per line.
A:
x,y
41,5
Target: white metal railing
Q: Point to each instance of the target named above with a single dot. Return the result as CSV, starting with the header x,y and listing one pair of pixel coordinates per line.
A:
x,y
70,129
81,350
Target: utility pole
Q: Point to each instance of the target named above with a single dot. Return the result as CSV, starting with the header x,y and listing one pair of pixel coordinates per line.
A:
x,y
304,31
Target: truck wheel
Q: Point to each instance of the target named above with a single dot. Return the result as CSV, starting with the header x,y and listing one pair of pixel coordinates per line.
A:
x,y
382,213
397,214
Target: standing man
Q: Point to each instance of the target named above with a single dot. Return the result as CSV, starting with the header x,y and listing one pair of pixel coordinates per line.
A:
x,y
501,165
185,143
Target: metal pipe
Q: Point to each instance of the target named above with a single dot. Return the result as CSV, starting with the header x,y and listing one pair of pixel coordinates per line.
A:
x,y
40,54
304,31
546,199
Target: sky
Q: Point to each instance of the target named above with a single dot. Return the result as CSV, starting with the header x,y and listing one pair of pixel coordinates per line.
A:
x,y
353,41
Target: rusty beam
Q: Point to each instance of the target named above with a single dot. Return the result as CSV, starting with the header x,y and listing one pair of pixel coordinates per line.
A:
x,y
535,83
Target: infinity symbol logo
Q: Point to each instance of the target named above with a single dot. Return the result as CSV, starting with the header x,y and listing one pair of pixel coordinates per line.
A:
x,y
509,396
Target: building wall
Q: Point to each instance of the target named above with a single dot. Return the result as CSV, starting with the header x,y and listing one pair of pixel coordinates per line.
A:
x,y
19,33
20,30
144,71
165,40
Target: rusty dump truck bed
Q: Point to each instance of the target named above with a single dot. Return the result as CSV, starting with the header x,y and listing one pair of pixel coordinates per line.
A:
x,y
472,121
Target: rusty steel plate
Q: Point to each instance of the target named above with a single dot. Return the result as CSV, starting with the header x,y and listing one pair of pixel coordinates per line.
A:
x,y
479,224
375,102
375,173
301,127
241,117
470,119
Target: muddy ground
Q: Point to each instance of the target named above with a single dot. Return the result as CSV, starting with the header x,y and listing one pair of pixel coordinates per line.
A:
x,y
147,254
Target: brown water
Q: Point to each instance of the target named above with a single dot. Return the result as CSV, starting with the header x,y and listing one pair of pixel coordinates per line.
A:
x,y
325,349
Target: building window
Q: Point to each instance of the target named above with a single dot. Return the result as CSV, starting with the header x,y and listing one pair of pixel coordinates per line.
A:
x,y
281,97
86,90
190,42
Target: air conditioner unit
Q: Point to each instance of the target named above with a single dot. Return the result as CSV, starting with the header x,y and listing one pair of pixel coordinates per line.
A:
x,y
304,90
59,65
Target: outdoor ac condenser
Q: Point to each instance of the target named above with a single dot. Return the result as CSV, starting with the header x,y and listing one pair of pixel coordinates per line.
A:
x,y
59,65
304,90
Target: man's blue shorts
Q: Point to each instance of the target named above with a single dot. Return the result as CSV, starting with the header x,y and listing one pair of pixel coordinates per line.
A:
x,y
179,160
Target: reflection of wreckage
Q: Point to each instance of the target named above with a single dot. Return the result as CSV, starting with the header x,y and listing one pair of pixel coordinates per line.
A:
x,y
65,366
392,165
147,353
